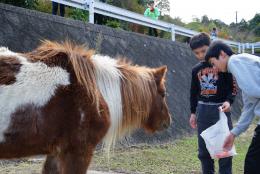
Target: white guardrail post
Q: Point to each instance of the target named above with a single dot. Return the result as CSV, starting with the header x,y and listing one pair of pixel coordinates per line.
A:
x,y
173,32
243,48
253,48
239,48
91,11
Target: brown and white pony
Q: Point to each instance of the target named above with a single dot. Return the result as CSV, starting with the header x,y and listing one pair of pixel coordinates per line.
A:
x,y
62,100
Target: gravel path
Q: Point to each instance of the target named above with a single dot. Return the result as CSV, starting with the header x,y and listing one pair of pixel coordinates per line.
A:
x,y
30,166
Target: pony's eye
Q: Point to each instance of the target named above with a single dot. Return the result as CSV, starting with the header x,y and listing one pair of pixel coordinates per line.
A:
x,y
163,94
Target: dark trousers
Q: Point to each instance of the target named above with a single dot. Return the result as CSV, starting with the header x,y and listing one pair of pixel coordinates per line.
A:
x,y
252,161
55,9
153,32
208,115
99,19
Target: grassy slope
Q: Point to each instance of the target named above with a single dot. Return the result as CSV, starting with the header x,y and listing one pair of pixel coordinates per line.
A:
x,y
179,157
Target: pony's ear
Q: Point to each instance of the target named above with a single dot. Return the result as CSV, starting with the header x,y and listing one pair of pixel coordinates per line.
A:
x,y
159,74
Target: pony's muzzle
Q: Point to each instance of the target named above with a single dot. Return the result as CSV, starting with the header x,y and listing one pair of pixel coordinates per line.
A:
x,y
167,123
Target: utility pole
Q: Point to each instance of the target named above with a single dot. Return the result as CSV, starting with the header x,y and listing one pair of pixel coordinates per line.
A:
x,y
236,17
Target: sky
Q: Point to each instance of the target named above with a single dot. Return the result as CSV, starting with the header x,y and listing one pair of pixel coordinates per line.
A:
x,y
225,10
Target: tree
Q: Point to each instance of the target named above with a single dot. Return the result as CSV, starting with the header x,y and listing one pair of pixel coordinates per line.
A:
x,y
132,5
176,21
243,25
255,21
164,6
219,23
257,30
195,26
142,2
195,19
254,24
31,4
205,20
79,14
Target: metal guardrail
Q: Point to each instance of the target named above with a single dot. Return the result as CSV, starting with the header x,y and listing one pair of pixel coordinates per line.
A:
x,y
115,12
255,46
251,46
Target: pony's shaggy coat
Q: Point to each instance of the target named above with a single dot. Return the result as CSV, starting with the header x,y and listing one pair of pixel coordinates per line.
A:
x,y
62,100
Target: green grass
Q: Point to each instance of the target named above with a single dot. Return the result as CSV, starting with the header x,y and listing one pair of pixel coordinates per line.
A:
x,y
178,157
152,159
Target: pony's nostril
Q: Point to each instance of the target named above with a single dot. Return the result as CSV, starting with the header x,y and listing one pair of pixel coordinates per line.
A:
x,y
165,125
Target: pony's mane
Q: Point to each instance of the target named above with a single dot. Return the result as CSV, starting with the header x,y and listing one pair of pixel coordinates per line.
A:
x,y
132,107
138,88
55,54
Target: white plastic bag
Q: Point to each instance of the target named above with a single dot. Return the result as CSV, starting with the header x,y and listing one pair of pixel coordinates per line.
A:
x,y
215,136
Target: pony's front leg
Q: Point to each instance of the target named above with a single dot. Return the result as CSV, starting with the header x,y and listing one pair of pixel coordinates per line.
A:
x,y
75,162
50,165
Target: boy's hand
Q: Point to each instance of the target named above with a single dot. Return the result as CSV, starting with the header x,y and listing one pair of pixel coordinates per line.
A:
x,y
229,141
193,122
225,107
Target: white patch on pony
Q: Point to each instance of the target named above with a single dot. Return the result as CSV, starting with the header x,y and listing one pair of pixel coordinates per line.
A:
x,y
82,117
35,84
108,79
4,49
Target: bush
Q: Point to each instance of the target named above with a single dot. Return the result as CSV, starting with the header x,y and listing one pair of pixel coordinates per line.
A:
x,y
31,4
78,14
44,6
113,23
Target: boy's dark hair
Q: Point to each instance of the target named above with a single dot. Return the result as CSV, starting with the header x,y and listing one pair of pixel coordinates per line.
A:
x,y
150,2
215,48
199,40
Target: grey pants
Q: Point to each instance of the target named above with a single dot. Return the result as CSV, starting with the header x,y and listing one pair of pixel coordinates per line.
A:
x,y
208,115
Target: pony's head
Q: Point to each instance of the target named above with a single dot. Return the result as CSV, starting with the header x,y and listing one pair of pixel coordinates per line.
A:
x,y
144,98
159,117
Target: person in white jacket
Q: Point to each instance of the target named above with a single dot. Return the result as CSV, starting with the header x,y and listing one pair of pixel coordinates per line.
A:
x,y
246,70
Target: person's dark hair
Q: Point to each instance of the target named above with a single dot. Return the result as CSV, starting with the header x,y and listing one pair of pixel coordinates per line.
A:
x,y
150,2
214,29
215,48
199,40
